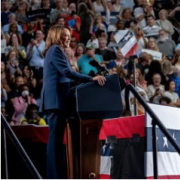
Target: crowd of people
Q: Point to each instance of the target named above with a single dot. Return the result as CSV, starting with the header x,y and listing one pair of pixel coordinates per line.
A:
x,y
24,27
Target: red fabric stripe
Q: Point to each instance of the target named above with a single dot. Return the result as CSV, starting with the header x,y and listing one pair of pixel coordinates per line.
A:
x,y
104,176
123,127
133,50
166,177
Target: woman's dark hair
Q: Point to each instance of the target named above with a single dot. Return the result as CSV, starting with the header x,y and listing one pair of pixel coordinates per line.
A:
x,y
18,36
155,67
29,109
176,58
22,86
168,84
164,98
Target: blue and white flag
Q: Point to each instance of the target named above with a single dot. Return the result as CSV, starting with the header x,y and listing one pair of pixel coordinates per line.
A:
x,y
168,158
106,161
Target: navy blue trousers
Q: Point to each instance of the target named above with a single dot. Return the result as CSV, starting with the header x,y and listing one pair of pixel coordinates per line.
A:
x,y
56,157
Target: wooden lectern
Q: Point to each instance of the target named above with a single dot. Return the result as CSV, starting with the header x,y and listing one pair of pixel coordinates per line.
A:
x,y
94,103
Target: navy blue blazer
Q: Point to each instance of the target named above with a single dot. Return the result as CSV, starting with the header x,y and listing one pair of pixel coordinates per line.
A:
x,y
57,74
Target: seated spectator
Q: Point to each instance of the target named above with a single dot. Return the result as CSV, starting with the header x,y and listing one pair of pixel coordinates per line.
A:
x,y
88,64
105,52
178,48
80,51
165,45
155,90
165,101
176,11
164,23
4,96
117,6
151,30
12,67
21,103
12,19
32,116
70,56
170,88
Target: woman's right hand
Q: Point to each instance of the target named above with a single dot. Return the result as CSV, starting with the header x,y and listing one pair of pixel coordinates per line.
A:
x,y
100,79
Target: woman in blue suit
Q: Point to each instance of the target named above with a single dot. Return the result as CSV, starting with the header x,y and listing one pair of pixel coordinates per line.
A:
x,y
55,94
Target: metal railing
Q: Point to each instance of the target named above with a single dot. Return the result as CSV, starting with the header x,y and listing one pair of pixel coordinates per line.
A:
x,y
7,130
155,122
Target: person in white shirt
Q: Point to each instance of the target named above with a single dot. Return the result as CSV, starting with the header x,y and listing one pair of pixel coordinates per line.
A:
x,y
170,87
151,30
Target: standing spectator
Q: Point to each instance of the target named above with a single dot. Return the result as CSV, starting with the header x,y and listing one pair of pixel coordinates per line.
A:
x,y
155,90
93,40
11,20
152,45
21,13
29,34
86,62
86,22
176,79
74,21
170,88
164,23
176,11
60,21
177,62
73,44
55,13
36,59
4,96
141,40
126,16
98,6
117,6
15,44
80,51
5,13
106,53
151,30
12,66
98,24
166,45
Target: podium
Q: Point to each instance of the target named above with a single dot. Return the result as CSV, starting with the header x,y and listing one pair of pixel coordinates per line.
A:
x,y
95,103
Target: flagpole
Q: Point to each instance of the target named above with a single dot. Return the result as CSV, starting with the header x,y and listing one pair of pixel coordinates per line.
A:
x,y
155,161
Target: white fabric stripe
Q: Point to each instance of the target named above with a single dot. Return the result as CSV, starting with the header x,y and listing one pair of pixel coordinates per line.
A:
x,y
169,116
127,47
168,164
105,166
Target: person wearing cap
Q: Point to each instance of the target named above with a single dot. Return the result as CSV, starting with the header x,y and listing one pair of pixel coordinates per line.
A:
x,y
86,63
